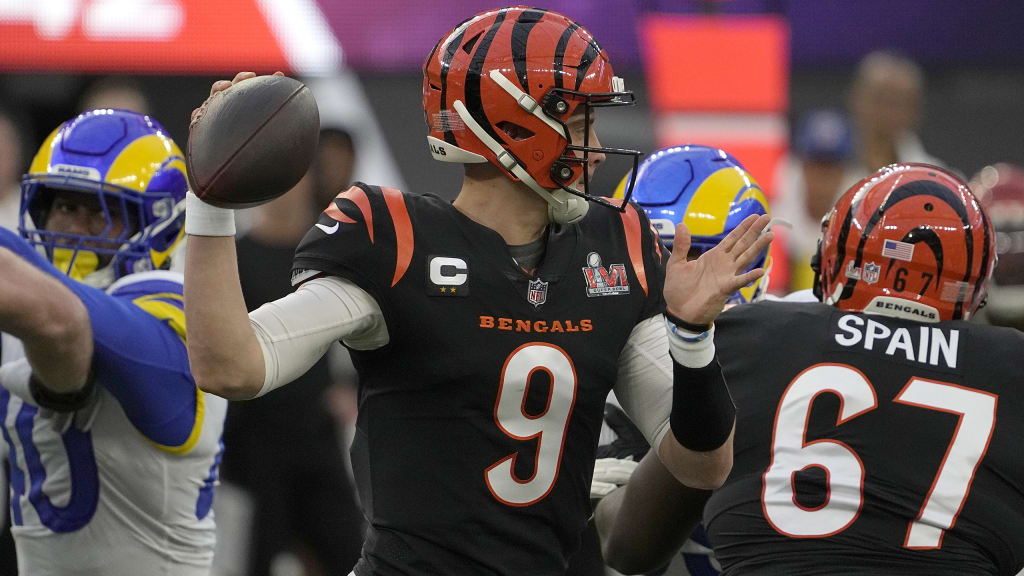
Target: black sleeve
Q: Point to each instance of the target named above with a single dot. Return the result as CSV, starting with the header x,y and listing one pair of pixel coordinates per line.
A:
x,y
363,235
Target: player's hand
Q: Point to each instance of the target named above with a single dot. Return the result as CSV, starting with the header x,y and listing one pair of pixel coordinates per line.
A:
x,y
609,474
696,290
220,86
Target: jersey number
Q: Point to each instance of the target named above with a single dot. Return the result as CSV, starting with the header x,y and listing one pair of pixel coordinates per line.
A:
x,y
547,428
844,470
83,476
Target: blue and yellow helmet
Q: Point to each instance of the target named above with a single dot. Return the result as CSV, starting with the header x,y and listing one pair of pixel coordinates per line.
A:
x,y
129,162
708,190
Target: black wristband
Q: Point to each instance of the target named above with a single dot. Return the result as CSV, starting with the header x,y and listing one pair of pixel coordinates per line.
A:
x,y
58,402
702,409
688,326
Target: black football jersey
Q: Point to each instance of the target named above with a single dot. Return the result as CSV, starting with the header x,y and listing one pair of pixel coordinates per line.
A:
x,y
479,420
869,445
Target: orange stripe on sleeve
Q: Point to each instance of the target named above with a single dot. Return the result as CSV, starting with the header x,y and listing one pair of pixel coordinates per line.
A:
x,y
357,196
634,244
334,212
403,230
657,243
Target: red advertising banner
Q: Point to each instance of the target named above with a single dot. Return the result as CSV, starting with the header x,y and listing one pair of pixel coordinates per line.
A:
x,y
166,36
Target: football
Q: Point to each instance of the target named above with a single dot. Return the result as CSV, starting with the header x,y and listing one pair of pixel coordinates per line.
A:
x,y
252,142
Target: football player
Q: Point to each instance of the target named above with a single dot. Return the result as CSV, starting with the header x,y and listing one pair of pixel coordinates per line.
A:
x,y
709,191
877,431
488,332
113,450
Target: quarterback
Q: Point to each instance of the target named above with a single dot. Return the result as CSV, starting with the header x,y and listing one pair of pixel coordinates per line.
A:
x,y
487,332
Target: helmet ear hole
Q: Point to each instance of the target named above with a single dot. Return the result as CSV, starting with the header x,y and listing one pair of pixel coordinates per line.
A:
x,y
515,131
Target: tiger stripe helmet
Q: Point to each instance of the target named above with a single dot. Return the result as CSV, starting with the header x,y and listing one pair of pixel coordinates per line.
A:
x,y
500,87
911,241
129,162
707,189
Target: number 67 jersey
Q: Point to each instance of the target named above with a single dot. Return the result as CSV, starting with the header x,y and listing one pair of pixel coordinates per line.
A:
x,y
123,485
867,444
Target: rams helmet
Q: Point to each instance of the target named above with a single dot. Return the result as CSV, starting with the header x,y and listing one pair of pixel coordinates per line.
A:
x,y
707,189
135,171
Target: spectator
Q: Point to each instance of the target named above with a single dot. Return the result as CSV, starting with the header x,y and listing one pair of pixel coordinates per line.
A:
x,y
335,162
118,92
1000,188
334,167
809,181
11,168
285,450
885,103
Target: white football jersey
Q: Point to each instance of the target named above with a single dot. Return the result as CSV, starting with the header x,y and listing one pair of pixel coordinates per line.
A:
x,y
94,492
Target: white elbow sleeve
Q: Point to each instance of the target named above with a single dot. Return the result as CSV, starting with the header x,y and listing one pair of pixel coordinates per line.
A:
x,y
295,331
644,386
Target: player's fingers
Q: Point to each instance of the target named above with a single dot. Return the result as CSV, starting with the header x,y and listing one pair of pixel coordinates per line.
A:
x,y
681,242
219,85
600,489
278,73
746,278
730,240
243,76
750,234
754,250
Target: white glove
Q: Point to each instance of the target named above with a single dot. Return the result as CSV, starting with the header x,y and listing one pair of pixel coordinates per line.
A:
x,y
609,474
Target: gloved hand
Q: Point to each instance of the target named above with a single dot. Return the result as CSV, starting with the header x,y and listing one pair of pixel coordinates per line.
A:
x,y
609,474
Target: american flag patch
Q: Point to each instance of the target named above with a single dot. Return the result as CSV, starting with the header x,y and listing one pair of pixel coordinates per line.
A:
x,y
898,250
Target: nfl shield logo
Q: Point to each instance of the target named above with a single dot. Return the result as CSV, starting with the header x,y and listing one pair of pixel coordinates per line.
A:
x,y
870,272
538,292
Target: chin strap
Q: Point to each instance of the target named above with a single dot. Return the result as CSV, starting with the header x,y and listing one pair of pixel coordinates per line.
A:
x,y
563,207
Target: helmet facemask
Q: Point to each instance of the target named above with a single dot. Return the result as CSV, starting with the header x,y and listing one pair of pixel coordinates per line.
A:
x,y
97,257
573,162
129,178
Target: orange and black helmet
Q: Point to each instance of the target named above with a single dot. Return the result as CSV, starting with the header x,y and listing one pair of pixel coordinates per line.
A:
x,y
910,239
499,88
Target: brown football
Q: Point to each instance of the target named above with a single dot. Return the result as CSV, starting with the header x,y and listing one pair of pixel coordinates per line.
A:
x,y
253,142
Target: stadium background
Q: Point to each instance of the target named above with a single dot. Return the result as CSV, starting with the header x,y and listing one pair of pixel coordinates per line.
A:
x,y
735,73
971,53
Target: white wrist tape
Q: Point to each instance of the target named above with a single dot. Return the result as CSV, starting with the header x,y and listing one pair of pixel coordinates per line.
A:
x,y
691,349
202,219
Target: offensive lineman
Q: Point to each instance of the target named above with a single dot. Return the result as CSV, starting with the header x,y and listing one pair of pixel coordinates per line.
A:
x,y
877,431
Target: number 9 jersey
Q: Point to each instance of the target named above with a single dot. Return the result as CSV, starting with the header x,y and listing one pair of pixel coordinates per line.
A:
x,y
479,419
867,444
